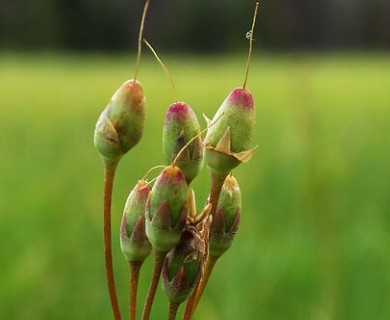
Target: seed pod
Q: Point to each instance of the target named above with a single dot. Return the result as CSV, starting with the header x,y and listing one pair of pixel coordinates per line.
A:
x,y
134,243
180,126
227,141
120,126
182,268
226,219
167,209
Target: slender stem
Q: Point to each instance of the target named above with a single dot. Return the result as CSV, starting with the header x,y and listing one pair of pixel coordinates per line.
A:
x,y
215,190
164,67
190,305
158,264
173,307
141,30
250,44
193,301
109,174
135,267
203,282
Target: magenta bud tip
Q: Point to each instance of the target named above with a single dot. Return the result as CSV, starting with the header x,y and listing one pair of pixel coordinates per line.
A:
x,y
242,97
178,111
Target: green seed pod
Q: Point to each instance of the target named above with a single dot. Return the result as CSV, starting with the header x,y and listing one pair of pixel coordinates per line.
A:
x,y
134,243
227,141
180,126
182,268
226,219
167,209
120,126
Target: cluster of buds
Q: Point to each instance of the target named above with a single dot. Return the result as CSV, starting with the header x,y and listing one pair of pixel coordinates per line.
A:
x,y
162,217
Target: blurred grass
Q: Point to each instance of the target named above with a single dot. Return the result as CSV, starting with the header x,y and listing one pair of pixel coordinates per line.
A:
x,y
315,232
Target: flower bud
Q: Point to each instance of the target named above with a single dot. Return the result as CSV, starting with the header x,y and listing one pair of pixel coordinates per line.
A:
x,y
180,126
227,141
182,268
167,209
120,126
134,243
226,219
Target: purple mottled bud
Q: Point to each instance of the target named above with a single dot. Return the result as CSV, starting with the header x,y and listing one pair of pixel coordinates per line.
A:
x,y
134,243
227,217
228,141
120,126
180,126
167,209
182,268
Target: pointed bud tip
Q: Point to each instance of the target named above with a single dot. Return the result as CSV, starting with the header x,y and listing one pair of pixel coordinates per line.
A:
x,y
242,97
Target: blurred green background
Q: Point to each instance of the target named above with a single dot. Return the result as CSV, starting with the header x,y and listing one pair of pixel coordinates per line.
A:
x,y
314,240
315,232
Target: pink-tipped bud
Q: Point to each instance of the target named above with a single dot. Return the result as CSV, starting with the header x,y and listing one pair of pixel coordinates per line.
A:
x,y
167,209
180,126
228,141
134,243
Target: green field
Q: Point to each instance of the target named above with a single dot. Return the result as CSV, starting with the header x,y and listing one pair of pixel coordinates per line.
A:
x,y
314,240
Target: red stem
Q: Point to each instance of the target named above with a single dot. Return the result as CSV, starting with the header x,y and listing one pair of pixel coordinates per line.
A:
x,y
173,307
215,191
193,301
135,268
109,174
158,264
203,282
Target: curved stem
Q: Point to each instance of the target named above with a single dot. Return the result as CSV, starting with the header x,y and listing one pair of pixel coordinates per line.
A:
x,y
141,31
250,44
158,264
193,301
109,174
173,307
190,305
164,67
215,190
203,282
135,267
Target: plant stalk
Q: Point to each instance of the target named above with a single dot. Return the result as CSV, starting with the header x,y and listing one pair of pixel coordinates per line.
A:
x,y
215,191
158,264
203,282
193,301
216,182
109,175
173,307
135,268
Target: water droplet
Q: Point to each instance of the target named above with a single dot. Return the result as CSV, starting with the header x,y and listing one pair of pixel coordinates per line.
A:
x,y
249,35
